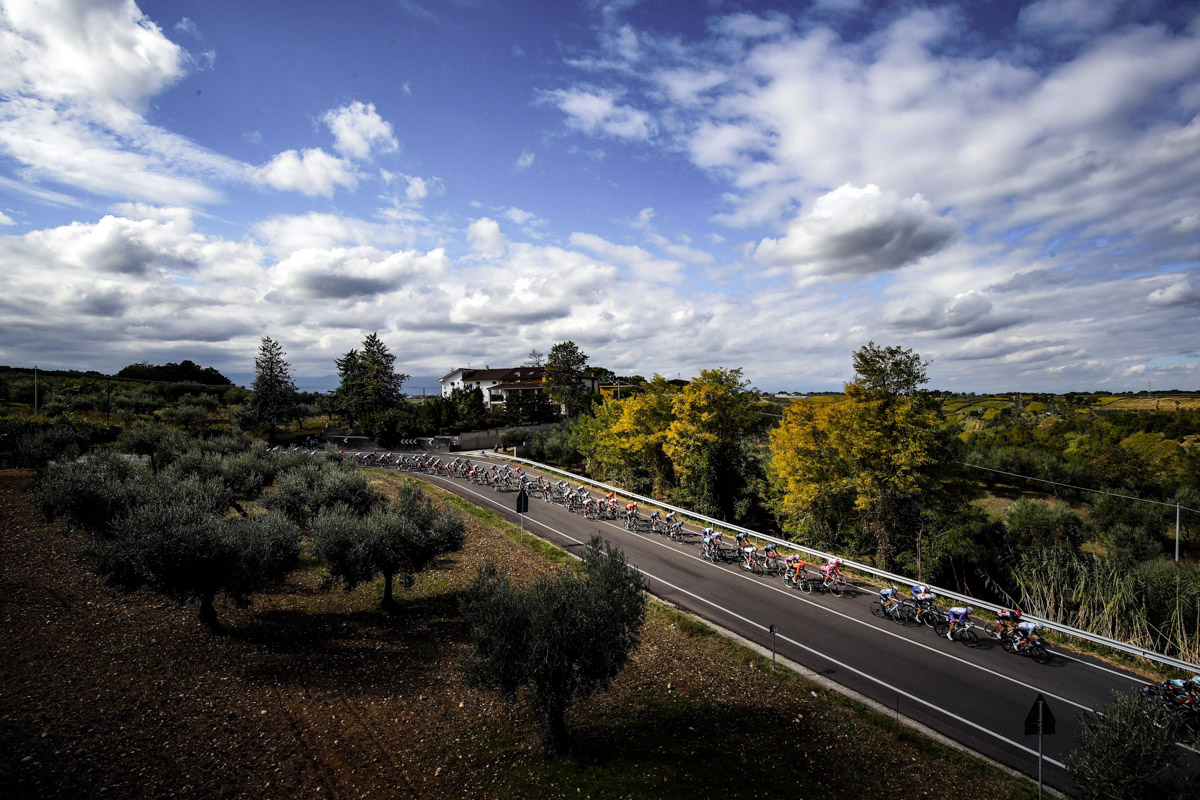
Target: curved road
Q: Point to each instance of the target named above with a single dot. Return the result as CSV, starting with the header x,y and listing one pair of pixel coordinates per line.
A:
x,y
978,697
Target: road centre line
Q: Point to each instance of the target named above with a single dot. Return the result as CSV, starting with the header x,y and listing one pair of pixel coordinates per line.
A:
x,y
818,653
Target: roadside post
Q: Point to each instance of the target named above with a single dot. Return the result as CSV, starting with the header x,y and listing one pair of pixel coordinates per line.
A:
x,y
774,630
1040,722
522,509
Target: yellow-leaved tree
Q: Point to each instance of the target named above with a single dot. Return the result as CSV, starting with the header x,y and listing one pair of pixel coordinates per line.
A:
x,y
710,443
859,461
623,440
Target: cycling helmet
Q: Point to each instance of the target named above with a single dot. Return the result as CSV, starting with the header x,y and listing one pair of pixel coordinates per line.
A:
x,y
970,610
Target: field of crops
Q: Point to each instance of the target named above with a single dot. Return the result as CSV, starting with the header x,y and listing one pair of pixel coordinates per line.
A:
x,y
1171,403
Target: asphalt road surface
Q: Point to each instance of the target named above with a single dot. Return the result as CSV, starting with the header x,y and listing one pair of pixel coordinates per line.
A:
x,y
979,697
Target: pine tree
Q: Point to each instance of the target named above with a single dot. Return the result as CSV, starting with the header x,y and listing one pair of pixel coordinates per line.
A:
x,y
564,376
273,401
370,384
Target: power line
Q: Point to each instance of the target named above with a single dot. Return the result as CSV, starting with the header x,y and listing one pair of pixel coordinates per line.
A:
x,y
1080,488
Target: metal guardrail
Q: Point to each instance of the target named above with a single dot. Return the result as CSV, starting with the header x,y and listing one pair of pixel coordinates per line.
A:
x,y
870,570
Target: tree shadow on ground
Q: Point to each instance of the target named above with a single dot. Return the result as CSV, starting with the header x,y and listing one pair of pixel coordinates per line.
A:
x,y
350,649
671,750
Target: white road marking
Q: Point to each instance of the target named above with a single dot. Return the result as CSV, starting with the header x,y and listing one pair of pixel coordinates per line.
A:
x,y
824,656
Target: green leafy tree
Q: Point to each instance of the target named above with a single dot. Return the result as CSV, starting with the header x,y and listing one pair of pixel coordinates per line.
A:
x,y
396,541
565,369
175,545
527,408
469,407
370,384
1128,752
167,533
90,494
1031,523
563,638
889,371
274,400
162,444
303,492
624,440
715,418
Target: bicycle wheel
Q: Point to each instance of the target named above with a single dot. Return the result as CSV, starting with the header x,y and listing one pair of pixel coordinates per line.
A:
x,y
969,638
908,613
835,588
1039,654
877,608
1008,644
941,627
806,585
994,629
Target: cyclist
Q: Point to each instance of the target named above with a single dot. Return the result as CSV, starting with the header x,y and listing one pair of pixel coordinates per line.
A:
x,y
888,598
957,614
798,567
1028,633
654,520
1010,619
769,551
708,535
1175,692
830,571
921,594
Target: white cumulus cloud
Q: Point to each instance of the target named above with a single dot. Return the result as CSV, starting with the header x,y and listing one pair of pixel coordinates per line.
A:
x,y
312,172
485,238
358,130
854,231
597,113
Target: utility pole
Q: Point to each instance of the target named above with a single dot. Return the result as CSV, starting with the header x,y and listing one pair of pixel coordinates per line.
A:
x,y
35,390
1177,533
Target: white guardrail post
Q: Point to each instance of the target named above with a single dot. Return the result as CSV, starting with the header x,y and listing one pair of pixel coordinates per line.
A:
x,y
878,573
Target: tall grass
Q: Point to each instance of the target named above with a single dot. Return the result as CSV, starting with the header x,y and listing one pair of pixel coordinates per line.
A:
x,y
1154,605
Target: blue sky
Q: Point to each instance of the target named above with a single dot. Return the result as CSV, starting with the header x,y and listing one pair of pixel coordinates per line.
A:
x,y
1010,189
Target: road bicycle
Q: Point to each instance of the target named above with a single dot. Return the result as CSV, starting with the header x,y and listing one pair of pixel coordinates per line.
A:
x,y
962,632
804,581
895,611
1035,650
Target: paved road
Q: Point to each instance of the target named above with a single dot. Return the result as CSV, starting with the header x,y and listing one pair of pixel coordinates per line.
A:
x,y
978,697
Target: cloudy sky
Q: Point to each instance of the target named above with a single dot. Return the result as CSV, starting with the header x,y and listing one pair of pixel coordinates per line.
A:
x,y
1011,190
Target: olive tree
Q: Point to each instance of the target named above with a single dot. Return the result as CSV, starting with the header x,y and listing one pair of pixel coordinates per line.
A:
x,y
398,541
563,637
1127,752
